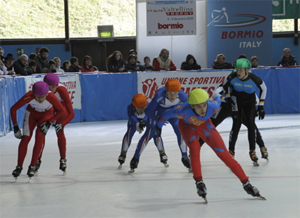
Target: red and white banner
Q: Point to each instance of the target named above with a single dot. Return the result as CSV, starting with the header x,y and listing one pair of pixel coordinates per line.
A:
x,y
71,82
149,83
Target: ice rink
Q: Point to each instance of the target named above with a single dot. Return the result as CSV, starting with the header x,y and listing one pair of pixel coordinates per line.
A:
x,y
95,187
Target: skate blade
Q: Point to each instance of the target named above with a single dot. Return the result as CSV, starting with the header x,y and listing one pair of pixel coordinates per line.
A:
x,y
15,179
205,200
261,197
166,165
64,173
131,171
29,179
190,170
120,167
256,164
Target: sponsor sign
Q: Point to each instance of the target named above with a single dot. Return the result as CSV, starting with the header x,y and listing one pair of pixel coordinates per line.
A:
x,y
168,18
149,83
71,82
286,9
243,29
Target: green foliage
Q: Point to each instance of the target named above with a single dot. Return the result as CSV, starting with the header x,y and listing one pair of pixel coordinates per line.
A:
x,y
45,18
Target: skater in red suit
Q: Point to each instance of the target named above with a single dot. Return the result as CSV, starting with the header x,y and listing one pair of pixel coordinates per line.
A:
x,y
39,113
194,122
62,94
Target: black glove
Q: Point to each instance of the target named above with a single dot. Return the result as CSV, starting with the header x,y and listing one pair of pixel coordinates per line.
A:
x,y
58,127
17,132
260,112
157,131
44,127
142,125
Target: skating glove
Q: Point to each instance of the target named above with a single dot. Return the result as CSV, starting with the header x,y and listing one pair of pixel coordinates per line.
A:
x,y
58,127
17,132
44,127
142,124
260,112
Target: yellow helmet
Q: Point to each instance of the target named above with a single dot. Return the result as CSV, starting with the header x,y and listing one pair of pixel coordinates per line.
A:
x,y
198,96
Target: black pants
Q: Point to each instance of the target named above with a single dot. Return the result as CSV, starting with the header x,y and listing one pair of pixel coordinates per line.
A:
x,y
224,112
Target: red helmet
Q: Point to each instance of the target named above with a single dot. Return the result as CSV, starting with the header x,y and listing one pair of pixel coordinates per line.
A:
x,y
173,85
139,101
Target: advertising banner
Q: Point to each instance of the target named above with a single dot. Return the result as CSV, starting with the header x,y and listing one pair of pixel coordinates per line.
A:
x,y
71,82
168,18
245,29
149,83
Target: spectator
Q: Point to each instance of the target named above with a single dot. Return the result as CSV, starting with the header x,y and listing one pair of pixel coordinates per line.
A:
x,y
74,65
190,63
42,64
87,65
115,62
66,65
220,63
31,57
31,69
8,62
133,51
287,59
52,66
1,54
57,62
254,62
2,68
132,64
163,62
20,65
147,65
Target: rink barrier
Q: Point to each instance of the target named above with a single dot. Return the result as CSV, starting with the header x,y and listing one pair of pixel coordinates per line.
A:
x,y
105,96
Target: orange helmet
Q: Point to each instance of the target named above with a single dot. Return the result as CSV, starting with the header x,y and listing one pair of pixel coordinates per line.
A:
x,y
173,85
139,101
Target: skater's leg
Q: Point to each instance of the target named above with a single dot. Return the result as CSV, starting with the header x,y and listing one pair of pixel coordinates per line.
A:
x,y
215,141
236,125
181,143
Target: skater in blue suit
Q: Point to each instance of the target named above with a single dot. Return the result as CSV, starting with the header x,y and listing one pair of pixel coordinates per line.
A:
x,y
165,98
136,122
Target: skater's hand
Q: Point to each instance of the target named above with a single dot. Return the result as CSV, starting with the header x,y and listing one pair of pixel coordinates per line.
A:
x,y
142,125
17,132
44,127
260,112
58,127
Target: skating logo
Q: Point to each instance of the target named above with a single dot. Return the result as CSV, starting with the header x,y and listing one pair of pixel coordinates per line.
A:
x,y
195,121
149,87
220,19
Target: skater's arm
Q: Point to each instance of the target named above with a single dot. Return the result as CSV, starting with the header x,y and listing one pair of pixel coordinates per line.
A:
x,y
24,100
68,104
59,108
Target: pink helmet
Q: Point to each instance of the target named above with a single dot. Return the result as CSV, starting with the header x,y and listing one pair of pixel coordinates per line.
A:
x,y
40,88
51,79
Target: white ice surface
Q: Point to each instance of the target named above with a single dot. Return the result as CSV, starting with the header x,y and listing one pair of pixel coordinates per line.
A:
x,y
94,187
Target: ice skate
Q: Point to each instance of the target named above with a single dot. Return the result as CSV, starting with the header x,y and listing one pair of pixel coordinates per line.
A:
x,y
264,153
232,153
37,166
63,165
133,164
201,190
251,190
122,159
30,172
164,159
254,158
187,163
17,172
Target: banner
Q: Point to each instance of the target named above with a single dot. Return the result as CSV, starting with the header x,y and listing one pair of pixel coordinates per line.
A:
x,y
286,9
245,29
149,83
71,82
168,18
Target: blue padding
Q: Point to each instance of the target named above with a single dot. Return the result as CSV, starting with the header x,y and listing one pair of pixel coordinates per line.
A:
x,y
106,96
4,107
